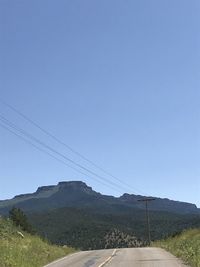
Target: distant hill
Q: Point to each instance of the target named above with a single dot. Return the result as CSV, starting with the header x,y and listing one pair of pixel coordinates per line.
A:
x,y
73,214
78,194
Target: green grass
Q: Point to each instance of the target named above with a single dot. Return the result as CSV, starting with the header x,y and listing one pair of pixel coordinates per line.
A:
x,y
185,246
30,251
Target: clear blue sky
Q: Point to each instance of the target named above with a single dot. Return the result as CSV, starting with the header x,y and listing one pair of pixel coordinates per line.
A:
x,y
116,80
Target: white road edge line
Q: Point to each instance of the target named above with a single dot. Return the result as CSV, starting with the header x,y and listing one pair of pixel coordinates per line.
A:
x,y
61,259
108,259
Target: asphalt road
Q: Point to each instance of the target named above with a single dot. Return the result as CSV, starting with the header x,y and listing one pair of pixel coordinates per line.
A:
x,y
127,257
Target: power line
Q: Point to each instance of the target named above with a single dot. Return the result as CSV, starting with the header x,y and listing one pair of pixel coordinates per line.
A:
x,y
49,154
10,124
69,147
13,126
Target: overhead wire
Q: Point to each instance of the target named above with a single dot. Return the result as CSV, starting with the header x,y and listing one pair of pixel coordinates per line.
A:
x,y
59,160
27,135
70,148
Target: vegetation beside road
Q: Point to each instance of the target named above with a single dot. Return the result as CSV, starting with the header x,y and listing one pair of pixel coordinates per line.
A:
x,y
21,249
185,246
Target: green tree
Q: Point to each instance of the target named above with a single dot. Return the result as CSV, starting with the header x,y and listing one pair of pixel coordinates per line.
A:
x,y
19,218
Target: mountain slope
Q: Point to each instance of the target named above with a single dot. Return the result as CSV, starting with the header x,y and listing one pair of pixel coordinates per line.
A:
x,y
90,229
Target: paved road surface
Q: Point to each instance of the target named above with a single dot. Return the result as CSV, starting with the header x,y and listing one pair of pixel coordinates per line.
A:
x,y
127,257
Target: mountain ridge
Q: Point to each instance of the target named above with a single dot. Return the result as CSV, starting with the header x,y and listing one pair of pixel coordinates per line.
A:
x,y
79,194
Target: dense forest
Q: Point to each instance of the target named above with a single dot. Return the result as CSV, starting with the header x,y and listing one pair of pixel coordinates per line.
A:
x,y
89,229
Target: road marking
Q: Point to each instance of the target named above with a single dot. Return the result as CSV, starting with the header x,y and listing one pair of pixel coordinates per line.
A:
x,y
61,259
108,259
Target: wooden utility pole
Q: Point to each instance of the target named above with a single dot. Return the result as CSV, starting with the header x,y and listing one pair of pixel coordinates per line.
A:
x,y
146,200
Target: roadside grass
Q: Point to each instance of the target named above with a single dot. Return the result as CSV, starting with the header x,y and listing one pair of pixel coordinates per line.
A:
x,y
185,246
27,251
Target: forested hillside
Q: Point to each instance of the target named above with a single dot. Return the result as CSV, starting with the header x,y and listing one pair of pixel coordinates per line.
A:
x,y
90,229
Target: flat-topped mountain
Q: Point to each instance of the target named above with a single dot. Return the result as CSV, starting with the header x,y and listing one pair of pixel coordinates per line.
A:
x,y
78,194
